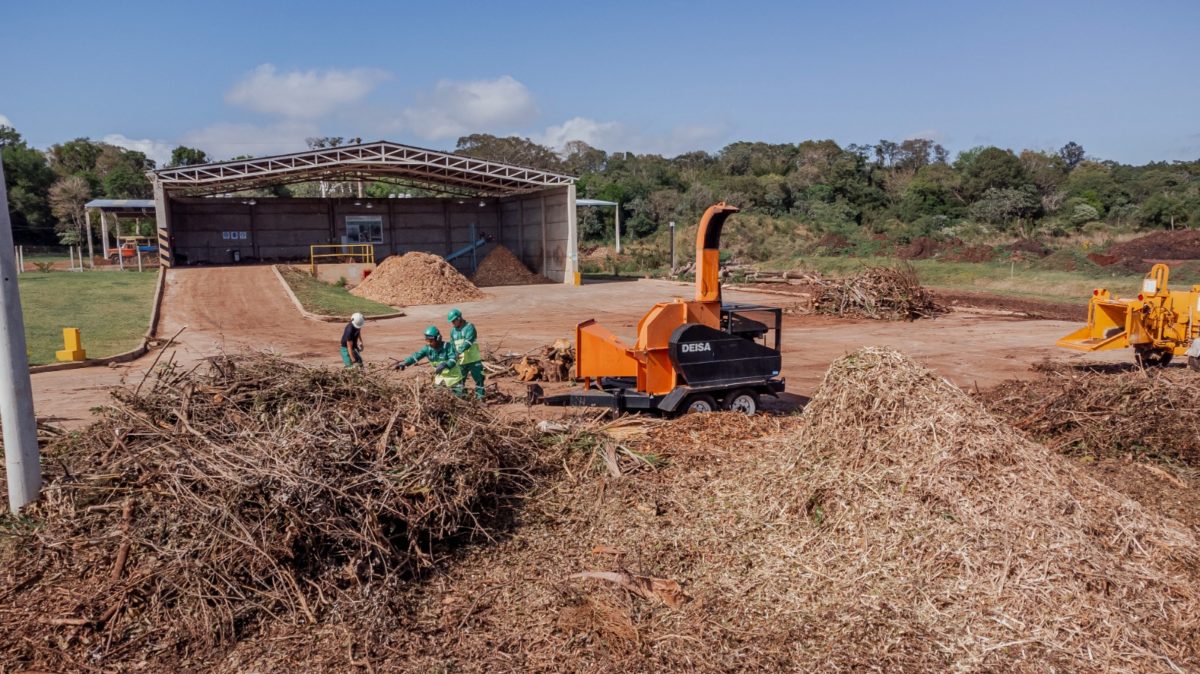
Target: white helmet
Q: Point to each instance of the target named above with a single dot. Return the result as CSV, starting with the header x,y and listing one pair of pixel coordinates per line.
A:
x,y
357,320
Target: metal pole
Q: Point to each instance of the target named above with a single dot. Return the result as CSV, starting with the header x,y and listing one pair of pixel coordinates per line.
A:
x,y
70,258
87,214
120,246
21,457
672,246
617,225
103,235
139,259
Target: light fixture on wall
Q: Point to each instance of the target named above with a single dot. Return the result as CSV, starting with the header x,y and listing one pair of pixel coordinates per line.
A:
x,y
482,203
370,205
358,203
251,202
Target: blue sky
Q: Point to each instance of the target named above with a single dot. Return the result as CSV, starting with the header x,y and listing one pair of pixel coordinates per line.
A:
x,y
1120,78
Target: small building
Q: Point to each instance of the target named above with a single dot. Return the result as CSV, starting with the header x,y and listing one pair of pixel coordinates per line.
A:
x,y
202,220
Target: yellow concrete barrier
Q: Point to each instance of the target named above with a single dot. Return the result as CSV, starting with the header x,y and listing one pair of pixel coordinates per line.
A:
x,y
72,346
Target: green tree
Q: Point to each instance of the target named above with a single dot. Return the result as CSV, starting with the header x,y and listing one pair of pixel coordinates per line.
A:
x,y
27,177
511,150
187,156
1072,154
1008,208
991,168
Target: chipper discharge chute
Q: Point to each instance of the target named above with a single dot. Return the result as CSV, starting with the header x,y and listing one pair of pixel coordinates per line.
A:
x,y
1159,324
690,355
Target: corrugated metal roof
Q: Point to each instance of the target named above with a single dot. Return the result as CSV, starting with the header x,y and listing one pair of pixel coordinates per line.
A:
x,y
131,204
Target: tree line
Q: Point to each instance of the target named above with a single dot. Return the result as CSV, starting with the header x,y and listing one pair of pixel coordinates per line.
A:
x,y
899,189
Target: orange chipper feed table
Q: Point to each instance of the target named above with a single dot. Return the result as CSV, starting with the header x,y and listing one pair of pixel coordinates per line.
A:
x,y
690,355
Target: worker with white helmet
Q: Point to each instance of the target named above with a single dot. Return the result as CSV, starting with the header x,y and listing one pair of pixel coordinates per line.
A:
x,y
352,344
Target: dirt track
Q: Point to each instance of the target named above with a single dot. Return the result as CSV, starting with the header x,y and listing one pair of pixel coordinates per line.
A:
x,y
229,309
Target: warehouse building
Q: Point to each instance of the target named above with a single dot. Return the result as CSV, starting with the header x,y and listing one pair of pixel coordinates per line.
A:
x,y
201,220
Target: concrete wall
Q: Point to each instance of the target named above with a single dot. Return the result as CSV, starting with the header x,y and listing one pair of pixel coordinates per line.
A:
x,y
537,228
283,229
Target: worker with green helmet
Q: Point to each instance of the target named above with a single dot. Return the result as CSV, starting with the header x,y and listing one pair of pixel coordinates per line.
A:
x,y
446,370
465,340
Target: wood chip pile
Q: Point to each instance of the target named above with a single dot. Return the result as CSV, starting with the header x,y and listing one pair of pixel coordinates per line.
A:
x,y
416,278
252,493
884,293
502,268
1106,410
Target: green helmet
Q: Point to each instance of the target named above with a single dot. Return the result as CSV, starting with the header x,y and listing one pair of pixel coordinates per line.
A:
x,y
454,315
432,332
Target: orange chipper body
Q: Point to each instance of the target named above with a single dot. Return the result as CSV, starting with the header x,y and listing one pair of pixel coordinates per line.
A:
x,y
600,353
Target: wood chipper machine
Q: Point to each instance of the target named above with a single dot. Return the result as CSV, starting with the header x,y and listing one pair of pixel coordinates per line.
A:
x,y
1159,324
690,355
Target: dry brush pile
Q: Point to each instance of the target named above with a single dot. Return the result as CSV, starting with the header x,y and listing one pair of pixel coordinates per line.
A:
x,y
878,292
1102,412
896,526
252,492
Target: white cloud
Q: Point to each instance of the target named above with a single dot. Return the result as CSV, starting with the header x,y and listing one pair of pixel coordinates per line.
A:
x,y
305,94
4,121
226,140
618,137
457,108
159,151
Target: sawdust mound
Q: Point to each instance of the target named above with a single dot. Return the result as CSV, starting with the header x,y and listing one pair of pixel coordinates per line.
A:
x,y
416,278
896,526
502,268
255,493
1102,411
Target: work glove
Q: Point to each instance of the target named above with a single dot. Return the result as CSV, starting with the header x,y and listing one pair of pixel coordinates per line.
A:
x,y
440,368
399,366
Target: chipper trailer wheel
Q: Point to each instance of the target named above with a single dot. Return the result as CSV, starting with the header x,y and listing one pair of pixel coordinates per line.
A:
x,y
1153,358
743,401
700,403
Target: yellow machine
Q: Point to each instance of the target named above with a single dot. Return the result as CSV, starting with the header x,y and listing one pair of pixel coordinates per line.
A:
x,y
1159,324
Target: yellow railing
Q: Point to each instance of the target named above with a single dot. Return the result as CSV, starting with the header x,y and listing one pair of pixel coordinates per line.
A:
x,y
357,252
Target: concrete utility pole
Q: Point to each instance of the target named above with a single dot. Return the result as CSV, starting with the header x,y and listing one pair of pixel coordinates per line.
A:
x,y
672,223
21,457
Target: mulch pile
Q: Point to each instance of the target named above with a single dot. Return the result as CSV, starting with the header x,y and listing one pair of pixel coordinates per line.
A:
x,y
1179,244
895,526
416,278
251,494
502,268
1105,411
884,293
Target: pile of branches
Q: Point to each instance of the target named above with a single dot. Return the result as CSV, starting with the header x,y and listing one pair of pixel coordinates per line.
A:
x,y
883,293
1105,410
553,362
254,489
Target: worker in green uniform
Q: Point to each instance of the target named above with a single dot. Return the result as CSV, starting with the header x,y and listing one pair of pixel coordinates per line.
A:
x,y
466,344
446,370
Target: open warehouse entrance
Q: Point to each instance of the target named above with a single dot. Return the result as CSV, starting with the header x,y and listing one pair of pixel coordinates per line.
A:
x,y
442,203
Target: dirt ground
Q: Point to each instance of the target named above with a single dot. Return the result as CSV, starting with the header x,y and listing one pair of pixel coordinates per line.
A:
x,y
230,309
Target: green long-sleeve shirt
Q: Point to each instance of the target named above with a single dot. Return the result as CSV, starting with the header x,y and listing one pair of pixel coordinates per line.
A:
x,y
444,353
464,341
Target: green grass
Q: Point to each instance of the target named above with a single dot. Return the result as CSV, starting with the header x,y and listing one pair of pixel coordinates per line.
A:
x,y
328,299
111,309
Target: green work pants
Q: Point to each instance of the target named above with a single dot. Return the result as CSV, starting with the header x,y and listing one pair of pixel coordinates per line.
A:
x,y
475,371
